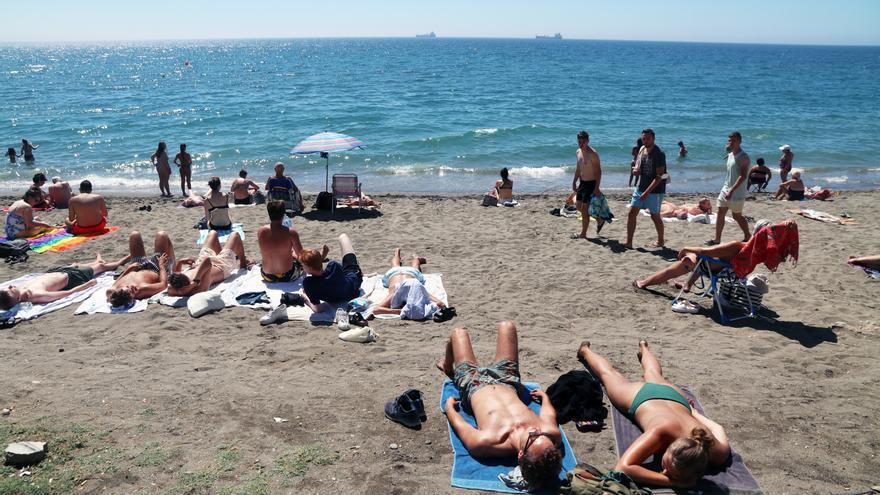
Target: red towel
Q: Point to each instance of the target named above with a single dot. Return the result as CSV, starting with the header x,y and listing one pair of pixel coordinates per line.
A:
x,y
771,245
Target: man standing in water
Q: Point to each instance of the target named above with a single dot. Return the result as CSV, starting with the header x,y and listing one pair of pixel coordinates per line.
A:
x,y
650,166
733,194
589,172
184,165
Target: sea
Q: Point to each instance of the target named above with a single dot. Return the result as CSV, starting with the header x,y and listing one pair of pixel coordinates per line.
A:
x,y
436,115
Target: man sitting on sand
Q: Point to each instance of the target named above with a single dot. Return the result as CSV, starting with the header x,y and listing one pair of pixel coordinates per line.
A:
x,y
407,295
284,189
56,283
280,247
213,266
241,189
87,213
59,193
685,440
671,210
20,221
146,276
505,426
338,283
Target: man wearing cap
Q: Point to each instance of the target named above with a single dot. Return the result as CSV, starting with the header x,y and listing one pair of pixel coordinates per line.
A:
x,y
733,194
785,162
650,166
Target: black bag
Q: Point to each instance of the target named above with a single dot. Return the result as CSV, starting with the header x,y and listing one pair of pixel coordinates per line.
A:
x,y
324,201
14,251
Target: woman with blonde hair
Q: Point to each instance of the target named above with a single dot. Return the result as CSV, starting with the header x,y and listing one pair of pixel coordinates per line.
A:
x,y
792,190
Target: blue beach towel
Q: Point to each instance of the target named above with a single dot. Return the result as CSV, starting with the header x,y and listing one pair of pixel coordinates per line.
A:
x,y
475,474
222,234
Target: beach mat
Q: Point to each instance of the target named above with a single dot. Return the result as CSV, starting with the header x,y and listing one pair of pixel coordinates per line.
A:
x,y
222,235
734,479
253,282
58,240
20,313
376,292
474,474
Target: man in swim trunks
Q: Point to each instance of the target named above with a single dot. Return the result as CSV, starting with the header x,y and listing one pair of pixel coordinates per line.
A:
x,y
672,210
283,188
213,266
733,193
183,160
56,283
589,172
760,175
87,213
338,283
241,189
280,247
505,426
146,276
685,440
59,193
20,221
650,164
398,280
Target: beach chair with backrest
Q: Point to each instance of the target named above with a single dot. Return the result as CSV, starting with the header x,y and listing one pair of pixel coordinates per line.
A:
x,y
727,282
291,197
346,186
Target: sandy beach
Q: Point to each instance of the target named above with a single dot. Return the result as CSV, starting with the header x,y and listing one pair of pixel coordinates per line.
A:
x,y
158,402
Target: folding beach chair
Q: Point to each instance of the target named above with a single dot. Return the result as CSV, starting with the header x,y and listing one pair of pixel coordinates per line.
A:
x,y
728,292
346,186
292,198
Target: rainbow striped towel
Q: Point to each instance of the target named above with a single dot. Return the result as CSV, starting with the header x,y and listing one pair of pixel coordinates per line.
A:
x,y
58,240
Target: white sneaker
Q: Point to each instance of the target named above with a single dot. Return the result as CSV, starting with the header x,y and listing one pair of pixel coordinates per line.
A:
x,y
361,335
342,319
277,315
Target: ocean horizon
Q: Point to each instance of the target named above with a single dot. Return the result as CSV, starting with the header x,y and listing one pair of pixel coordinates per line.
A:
x,y
437,115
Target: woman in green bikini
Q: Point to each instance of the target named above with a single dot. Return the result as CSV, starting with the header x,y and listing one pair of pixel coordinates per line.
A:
x,y
687,440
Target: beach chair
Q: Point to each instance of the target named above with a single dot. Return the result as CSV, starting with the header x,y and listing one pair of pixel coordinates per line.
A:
x,y
292,198
346,186
729,293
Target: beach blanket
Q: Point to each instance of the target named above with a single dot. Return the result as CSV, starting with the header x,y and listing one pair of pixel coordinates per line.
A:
x,y
706,218
822,216
97,301
474,474
735,479
180,301
377,292
29,311
222,235
58,240
771,245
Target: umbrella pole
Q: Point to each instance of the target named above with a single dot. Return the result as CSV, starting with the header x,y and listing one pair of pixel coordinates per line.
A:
x,y
327,174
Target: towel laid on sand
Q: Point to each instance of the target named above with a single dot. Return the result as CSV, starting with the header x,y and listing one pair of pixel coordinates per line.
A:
x,y
35,310
707,218
58,240
97,301
377,292
474,474
180,301
822,216
735,479
222,235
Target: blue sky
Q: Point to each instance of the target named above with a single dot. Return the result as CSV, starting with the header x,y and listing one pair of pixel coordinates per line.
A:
x,y
750,21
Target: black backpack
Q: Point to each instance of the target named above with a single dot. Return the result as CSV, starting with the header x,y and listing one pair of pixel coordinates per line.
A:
x,y
324,201
14,251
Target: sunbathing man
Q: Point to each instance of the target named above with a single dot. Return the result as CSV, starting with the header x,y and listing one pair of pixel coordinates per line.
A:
x,y
213,266
407,295
57,283
505,426
146,276
687,440
87,213
671,210
20,221
280,247
872,262
59,192
241,189
335,284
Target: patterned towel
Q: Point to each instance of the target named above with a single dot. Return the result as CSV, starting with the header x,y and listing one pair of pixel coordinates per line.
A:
x,y
58,240
771,245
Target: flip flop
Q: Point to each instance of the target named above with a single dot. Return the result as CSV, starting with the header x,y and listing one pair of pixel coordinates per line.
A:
x,y
585,426
712,242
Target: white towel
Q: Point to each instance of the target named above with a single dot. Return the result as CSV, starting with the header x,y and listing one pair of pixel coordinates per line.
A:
x,y
97,301
180,301
433,282
36,310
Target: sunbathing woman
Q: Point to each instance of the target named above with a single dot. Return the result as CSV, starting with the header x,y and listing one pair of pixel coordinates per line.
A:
x,y
404,283
671,210
686,440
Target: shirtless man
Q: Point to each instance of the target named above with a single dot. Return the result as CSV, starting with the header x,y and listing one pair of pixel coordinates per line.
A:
x,y
589,173
55,284
280,247
87,213
505,426
146,276
184,164
59,193
242,187
213,266
20,221
397,278
672,210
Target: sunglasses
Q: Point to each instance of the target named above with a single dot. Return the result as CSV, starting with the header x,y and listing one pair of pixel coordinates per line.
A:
x,y
533,436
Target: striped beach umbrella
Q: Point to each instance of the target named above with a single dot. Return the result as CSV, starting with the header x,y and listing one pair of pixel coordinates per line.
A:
x,y
325,143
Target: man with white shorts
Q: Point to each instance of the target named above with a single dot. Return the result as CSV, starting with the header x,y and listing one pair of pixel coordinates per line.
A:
x,y
213,266
733,194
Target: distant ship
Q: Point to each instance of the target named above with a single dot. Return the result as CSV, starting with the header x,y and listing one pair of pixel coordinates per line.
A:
x,y
429,35
556,36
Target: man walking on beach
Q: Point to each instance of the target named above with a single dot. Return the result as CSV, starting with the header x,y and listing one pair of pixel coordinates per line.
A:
x,y
589,173
184,164
733,194
87,212
650,166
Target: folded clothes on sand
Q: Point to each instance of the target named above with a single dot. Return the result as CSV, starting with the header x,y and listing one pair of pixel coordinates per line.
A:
x,y
734,479
32,310
97,301
222,235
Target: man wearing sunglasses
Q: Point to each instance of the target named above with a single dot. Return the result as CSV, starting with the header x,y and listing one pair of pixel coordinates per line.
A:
x,y
505,426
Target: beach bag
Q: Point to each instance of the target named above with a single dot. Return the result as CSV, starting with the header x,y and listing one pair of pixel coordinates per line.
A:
x,y
490,200
324,201
585,479
14,251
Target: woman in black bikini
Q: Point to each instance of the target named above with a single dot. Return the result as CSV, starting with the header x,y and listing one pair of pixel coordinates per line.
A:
x,y
217,207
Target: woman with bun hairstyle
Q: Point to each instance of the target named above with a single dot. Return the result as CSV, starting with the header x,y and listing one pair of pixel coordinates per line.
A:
x,y
686,440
